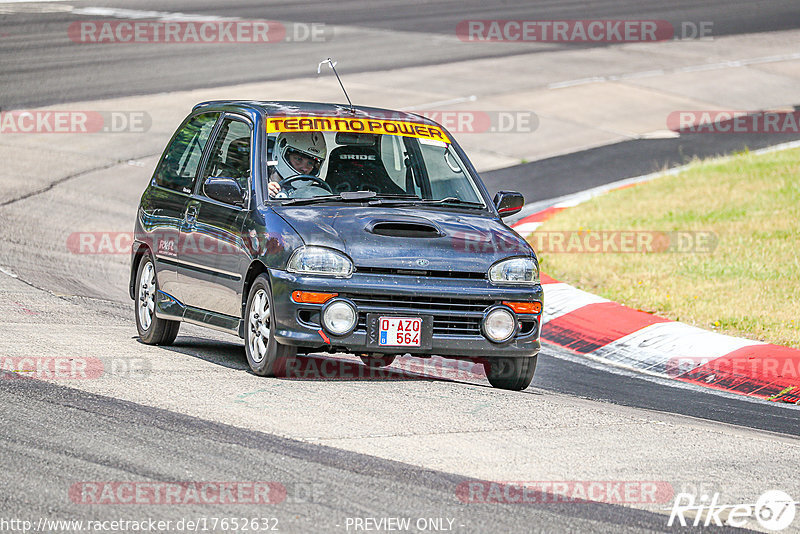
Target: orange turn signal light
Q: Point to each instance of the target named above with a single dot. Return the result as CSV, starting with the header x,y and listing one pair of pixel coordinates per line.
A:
x,y
306,297
525,307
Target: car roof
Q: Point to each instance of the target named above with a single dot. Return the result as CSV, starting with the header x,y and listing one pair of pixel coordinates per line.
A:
x,y
286,108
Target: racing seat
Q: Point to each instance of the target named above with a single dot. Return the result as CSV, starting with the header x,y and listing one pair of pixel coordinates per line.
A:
x,y
359,168
237,161
233,163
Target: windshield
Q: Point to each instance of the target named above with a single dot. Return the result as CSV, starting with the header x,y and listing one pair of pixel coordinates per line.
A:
x,y
424,166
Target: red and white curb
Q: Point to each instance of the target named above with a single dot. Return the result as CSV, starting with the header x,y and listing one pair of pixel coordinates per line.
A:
x,y
608,332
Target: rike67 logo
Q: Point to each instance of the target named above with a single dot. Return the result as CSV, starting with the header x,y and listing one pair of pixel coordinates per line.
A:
x,y
774,510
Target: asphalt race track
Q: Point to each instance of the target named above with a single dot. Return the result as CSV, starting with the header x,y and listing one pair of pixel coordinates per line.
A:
x,y
342,448
326,483
35,47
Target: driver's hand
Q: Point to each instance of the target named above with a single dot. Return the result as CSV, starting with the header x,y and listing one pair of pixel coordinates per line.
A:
x,y
274,188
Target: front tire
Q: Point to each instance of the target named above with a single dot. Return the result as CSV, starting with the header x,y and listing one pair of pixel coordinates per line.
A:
x,y
265,356
152,329
514,374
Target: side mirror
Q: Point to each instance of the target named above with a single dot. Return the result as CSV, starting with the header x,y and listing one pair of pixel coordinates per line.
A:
x,y
225,190
508,202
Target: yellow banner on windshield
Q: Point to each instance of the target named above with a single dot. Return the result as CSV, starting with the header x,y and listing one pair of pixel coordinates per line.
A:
x,y
371,126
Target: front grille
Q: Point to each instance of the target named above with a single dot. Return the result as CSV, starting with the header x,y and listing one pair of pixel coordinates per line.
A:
x,y
460,326
427,305
442,325
422,272
451,316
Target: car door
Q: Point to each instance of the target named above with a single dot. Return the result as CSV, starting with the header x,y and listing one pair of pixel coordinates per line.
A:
x,y
164,205
214,254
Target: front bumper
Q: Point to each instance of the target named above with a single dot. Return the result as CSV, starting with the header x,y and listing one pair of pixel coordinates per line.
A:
x,y
457,307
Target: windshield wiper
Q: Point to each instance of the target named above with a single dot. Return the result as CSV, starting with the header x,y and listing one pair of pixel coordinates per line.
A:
x,y
454,201
383,200
376,199
415,200
347,196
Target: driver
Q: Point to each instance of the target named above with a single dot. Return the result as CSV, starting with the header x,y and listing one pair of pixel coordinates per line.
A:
x,y
296,153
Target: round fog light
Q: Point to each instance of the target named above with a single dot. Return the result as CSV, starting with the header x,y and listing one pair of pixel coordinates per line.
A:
x,y
339,317
499,325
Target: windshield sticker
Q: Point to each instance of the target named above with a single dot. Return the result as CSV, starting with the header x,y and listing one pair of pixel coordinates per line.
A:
x,y
373,126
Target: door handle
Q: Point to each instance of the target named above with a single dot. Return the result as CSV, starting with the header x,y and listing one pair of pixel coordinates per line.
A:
x,y
191,215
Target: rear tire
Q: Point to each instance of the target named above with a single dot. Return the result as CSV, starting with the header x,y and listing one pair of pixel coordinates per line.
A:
x,y
265,356
514,374
376,361
152,329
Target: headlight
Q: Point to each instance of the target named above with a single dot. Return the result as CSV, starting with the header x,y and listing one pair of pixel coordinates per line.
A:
x,y
320,260
515,271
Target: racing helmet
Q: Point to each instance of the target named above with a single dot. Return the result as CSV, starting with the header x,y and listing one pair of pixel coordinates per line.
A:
x,y
308,144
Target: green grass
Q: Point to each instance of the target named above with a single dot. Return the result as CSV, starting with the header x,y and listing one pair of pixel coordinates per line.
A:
x,y
748,286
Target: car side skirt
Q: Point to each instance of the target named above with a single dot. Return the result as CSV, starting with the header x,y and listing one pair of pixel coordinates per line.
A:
x,y
168,307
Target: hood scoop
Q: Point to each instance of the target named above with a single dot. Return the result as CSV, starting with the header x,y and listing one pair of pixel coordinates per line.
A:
x,y
411,227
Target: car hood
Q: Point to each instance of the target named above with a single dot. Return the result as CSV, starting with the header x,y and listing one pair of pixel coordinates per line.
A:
x,y
407,238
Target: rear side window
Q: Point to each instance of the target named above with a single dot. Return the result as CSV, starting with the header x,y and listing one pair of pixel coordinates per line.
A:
x,y
178,169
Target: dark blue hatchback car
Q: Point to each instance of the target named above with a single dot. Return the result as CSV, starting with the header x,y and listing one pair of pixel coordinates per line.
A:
x,y
324,228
